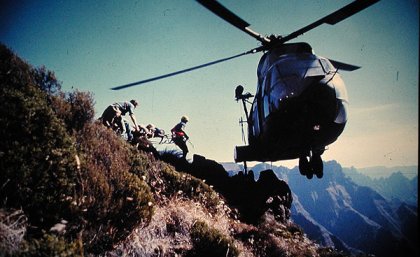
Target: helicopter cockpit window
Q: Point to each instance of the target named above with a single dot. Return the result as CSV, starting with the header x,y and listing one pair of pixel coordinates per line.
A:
x,y
285,80
326,65
342,110
342,100
299,67
313,69
267,85
340,88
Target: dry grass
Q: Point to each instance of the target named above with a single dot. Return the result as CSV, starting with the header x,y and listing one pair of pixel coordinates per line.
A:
x,y
293,243
12,230
168,233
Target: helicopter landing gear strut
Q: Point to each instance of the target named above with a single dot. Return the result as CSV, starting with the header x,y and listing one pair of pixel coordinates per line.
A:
x,y
310,165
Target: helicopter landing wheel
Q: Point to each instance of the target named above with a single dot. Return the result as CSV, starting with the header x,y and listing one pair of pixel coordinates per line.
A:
x,y
310,166
304,166
317,166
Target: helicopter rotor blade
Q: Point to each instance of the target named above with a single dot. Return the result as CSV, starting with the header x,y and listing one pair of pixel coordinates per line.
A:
x,y
180,71
344,66
333,18
232,18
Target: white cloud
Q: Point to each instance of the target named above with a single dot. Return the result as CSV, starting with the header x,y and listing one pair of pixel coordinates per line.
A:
x,y
382,147
373,110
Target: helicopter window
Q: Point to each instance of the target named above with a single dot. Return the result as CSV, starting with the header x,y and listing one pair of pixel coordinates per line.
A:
x,y
299,67
255,118
342,107
266,95
278,86
267,83
285,80
314,69
340,88
326,65
266,106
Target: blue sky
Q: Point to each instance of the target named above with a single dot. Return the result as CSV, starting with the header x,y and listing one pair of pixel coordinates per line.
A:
x,y
95,45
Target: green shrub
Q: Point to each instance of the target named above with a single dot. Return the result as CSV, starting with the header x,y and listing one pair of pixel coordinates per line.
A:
x,y
46,80
74,108
50,245
172,183
114,201
44,133
141,164
37,156
210,242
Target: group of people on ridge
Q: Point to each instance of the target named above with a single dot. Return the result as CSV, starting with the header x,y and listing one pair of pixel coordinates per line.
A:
x,y
113,118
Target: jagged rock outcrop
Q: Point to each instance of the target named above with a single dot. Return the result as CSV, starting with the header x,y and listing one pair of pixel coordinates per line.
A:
x,y
252,198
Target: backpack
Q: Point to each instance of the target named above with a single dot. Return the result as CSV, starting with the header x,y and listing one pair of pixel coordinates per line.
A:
x,y
177,133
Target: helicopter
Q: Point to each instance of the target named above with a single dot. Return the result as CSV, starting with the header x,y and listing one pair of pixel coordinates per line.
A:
x,y
300,105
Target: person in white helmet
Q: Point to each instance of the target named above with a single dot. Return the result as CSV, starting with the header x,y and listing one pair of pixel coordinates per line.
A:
x,y
180,137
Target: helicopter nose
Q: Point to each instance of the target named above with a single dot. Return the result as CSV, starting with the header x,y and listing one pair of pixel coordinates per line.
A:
x,y
322,104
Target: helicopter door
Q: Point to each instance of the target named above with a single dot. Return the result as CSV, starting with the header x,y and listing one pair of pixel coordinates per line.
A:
x,y
255,119
266,97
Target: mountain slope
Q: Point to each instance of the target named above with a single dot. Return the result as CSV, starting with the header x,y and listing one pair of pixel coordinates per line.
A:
x,y
315,230
357,215
394,187
72,187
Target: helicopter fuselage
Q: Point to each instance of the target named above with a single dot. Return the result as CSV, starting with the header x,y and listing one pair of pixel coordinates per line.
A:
x,y
299,108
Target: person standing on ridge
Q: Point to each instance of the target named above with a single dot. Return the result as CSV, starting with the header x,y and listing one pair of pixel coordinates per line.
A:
x,y
180,137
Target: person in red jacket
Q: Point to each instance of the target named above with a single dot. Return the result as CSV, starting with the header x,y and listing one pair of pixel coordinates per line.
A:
x,y
179,136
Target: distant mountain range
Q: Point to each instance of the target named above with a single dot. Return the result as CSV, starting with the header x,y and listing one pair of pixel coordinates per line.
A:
x,y
384,172
350,211
396,187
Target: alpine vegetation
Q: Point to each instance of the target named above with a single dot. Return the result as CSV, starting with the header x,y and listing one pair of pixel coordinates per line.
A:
x,y
70,186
